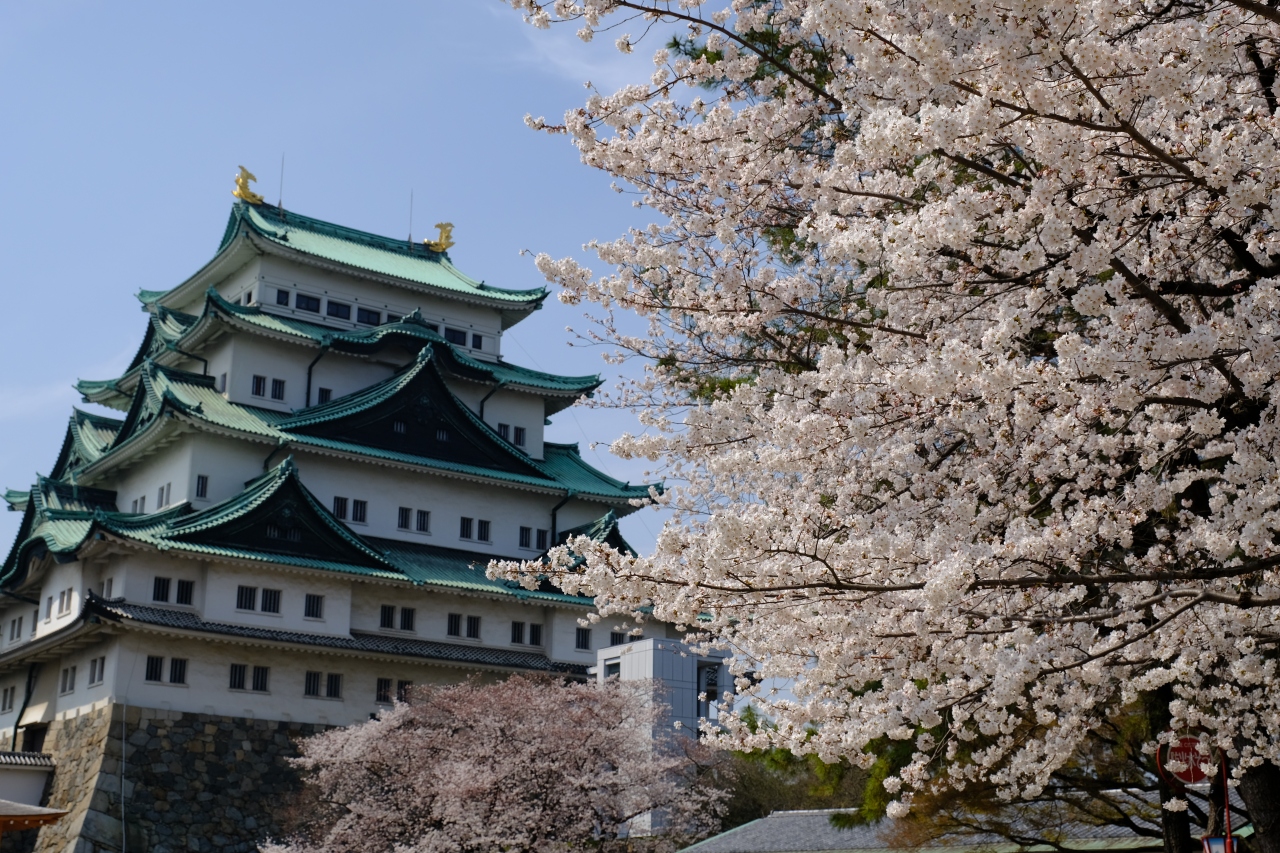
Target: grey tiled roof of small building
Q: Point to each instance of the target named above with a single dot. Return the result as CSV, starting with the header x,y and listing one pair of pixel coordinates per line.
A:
x,y
356,641
812,832
25,759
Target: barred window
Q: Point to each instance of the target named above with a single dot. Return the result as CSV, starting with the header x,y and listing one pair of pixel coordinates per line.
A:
x,y
202,486
313,607
260,674
311,684
582,640
617,638
333,686
482,531
246,598
387,618
160,589
407,615
340,508
543,536
473,627
259,386
238,673
382,694
155,668
535,634
403,517
520,436
526,537
359,511
424,521
186,592
465,527
455,625
277,389
517,632
177,670
403,689
271,601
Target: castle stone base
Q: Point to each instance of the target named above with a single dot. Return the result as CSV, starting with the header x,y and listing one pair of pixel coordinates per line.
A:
x,y
190,782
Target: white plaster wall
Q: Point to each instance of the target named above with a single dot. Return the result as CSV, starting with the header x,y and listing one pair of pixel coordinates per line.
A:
x,y
279,273
231,288
170,464
228,463
447,499
507,407
224,580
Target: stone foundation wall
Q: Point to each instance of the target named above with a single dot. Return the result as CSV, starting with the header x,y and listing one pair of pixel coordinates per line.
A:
x,y
190,782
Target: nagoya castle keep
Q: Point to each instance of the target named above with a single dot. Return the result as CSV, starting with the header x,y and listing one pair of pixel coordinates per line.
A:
x,y
283,526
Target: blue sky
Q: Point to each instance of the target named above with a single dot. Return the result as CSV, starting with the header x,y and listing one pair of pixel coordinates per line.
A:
x,y
124,125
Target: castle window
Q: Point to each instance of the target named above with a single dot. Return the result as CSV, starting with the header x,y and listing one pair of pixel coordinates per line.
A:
x,y
97,670
407,615
473,627
142,505
403,517
292,534
48,609
382,691
424,521
277,389
582,640
247,598
617,638
535,634
543,535
477,341
482,531
311,684
399,427
68,682
340,508
455,336
62,602
282,298
387,617
504,432
238,673
517,632
526,537
326,394
155,668
259,386
333,686
465,528
313,607
106,588
307,303
455,625
160,589
403,689
367,317
359,511
442,434
162,496
341,310
186,592
221,387
177,670
260,674
202,486
520,434
271,601
7,699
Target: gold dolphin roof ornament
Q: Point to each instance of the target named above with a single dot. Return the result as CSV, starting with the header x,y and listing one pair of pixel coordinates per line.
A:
x,y
242,190
446,238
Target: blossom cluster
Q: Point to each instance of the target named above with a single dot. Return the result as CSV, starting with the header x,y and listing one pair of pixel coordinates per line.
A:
x,y
962,341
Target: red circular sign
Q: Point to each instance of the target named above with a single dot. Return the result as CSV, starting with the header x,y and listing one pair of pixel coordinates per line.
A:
x,y
1185,752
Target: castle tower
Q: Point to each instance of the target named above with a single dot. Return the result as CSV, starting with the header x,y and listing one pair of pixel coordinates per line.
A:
x,y
317,449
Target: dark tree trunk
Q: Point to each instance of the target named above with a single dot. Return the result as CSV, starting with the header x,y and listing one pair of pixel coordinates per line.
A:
x,y
1260,790
1175,826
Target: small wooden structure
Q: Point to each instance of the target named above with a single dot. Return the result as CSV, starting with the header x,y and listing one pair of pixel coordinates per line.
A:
x,y
16,816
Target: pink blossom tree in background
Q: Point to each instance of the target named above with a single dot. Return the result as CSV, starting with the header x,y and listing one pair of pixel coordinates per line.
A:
x,y
526,764
962,344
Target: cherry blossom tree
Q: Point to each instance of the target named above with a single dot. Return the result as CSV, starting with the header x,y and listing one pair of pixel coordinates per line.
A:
x,y
523,765
962,326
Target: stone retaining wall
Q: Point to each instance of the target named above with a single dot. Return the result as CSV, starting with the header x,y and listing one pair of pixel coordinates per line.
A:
x,y
190,782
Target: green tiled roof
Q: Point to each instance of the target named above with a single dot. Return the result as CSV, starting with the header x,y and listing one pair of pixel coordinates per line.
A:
x,y
61,517
88,439
603,529
195,397
384,255
16,499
